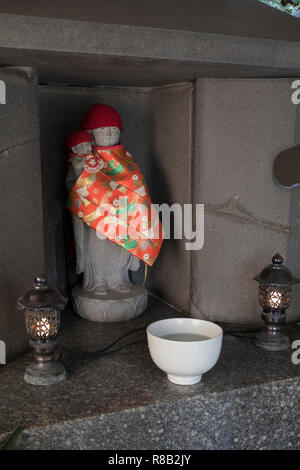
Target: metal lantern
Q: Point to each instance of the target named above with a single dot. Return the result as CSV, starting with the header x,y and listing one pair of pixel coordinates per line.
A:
x,y
42,304
274,295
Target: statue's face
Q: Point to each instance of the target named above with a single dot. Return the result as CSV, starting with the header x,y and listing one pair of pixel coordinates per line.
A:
x,y
105,136
83,148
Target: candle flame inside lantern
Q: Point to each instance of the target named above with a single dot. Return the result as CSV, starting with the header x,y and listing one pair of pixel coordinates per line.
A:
x,y
275,298
42,328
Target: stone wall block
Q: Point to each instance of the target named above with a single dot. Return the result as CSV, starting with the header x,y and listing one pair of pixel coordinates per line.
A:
x,y
21,234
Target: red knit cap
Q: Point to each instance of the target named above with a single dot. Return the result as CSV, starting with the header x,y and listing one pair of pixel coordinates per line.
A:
x,y
78,138
101,115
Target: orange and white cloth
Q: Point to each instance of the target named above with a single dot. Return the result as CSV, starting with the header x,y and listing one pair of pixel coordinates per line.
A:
x,y
111,197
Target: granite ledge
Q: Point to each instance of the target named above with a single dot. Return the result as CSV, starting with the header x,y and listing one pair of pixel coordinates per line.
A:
x,y
249,400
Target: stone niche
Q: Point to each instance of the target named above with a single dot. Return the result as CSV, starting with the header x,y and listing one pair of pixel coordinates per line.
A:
x,y
157,131
210,141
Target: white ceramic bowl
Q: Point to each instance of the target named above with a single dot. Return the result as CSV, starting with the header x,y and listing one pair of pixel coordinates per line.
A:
x,y
184,361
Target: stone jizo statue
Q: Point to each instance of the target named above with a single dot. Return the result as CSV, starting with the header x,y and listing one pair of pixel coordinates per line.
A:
x,y
110,206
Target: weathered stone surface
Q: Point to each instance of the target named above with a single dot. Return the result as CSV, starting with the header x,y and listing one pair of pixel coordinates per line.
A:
x,y
19,118
133,41
235,250
241,125
21,235
94,53
250,19
293,313
293,258
171,160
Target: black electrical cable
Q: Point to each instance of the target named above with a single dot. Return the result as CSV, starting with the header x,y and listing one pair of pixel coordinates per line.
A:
x,y
242,334
105,350
247,334
125,346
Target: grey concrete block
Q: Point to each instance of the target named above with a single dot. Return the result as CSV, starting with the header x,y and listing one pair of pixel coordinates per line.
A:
x,y
21,237
132,41
293,259
241,125
250,19
171,160
21,100
235,250
293,312
94,53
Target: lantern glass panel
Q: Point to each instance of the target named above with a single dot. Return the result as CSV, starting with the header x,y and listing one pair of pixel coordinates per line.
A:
x,y
42,324
274,298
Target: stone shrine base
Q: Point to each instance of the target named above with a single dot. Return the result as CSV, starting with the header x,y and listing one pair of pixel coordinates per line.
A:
x,y
113,307
121,400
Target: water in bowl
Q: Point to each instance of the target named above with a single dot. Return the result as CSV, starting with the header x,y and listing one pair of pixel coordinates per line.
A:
x,y
185,337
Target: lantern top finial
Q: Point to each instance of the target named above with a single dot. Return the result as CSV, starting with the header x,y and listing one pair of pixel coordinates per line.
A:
x,y
41,295
276,274
41,279
277,259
